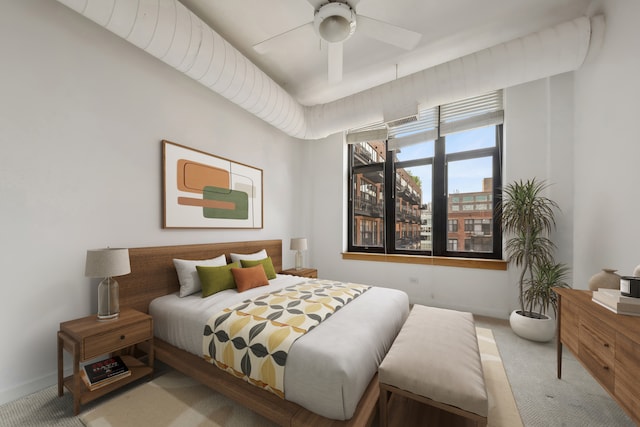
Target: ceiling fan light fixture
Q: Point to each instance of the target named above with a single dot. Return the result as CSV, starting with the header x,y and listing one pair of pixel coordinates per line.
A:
x,y
335,22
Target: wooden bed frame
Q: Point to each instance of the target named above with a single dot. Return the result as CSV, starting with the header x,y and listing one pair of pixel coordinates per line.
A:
x,y
153,275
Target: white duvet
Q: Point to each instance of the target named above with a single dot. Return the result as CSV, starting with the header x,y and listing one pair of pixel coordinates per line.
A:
x,y
329,368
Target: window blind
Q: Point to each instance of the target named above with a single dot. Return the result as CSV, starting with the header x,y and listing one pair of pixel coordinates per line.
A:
x,y
478,111
374,132
425,128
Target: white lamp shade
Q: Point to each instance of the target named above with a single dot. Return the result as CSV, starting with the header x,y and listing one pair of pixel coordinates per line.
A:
x,y
107,262
298,244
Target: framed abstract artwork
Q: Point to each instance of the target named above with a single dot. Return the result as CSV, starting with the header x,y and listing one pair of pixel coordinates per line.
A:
x,y
206,191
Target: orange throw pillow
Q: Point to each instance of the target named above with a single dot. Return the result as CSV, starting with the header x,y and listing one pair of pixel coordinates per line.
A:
x,y
249,277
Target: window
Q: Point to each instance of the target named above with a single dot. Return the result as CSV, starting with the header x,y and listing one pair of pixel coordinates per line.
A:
x,y
468,225
413,185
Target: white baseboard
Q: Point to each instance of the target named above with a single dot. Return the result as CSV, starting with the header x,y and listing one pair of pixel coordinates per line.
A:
x,y
488,312
29,387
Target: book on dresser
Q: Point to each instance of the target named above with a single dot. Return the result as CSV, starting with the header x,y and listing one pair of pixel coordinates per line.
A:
x,y
104,372
612,299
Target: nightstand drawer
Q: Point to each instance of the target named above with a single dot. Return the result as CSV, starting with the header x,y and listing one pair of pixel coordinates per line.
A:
x,y
106,342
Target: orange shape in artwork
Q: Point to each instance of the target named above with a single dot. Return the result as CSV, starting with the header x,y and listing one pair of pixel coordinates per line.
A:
x,y
193,177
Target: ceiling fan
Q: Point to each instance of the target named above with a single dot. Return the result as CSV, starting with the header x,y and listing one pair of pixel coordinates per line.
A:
x,y
336,21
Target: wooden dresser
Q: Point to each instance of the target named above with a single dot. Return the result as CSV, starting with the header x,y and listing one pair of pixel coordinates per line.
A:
x,y
607,345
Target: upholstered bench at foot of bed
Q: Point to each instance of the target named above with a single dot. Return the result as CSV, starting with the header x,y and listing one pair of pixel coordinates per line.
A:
x,y
435,360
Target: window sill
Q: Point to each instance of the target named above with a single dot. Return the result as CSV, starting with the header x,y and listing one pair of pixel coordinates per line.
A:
x,y
484,264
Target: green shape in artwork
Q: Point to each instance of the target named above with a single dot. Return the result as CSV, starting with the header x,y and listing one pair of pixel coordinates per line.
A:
x,y
234,204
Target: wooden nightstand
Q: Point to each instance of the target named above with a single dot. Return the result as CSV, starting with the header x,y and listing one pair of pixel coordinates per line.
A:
x,y
311,273
87,338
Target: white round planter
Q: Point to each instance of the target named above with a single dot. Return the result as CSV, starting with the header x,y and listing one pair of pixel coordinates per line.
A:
x,y
541,330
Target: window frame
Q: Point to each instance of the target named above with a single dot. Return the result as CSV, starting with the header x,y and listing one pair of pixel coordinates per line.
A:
x,y
439,219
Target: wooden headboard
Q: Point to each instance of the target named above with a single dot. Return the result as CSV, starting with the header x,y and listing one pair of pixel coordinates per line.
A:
x,y
153,274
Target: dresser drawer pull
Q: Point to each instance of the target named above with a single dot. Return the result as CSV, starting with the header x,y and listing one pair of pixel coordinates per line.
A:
x,y
122,337
606,368
606,345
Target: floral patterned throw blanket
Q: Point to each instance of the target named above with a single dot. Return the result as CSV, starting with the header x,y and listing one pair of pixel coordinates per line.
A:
x,y
251,340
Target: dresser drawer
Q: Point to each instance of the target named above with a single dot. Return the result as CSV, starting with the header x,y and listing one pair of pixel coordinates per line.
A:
x,y
599,339
603,371
116,339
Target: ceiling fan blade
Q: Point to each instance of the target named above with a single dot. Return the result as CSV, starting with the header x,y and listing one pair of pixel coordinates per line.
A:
x,y
317,3
335,62
271,43
388,33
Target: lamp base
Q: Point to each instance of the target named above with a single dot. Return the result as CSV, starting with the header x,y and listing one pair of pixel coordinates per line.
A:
x,y
298,260
109,317
108,299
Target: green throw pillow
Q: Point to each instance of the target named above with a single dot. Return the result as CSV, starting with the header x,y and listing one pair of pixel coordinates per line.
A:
x,y
216,279
266,263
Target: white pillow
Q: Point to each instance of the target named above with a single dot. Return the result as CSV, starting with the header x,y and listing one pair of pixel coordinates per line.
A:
x,y
188,275
256,256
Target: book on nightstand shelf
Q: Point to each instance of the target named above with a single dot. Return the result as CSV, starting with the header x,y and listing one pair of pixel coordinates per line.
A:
x,y
103,372
612,299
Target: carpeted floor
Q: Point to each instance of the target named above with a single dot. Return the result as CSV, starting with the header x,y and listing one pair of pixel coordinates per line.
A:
x,y
172,399
543,400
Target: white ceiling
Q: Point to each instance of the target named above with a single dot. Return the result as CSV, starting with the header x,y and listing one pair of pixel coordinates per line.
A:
x,y
449,28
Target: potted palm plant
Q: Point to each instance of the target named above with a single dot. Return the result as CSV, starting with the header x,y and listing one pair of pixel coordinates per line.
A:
x,y
538,292
528,217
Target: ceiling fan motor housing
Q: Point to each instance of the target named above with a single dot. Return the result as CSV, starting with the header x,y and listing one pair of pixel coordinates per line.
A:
x,y
335,22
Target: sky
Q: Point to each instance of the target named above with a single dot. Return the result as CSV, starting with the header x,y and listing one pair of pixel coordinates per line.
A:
x,y
464,176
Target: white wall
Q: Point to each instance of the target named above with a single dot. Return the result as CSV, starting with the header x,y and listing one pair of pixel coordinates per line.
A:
x,y
539,143
82,114
607,148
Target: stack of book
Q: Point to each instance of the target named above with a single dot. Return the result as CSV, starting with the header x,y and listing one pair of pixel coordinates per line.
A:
x,y
612,299
104,372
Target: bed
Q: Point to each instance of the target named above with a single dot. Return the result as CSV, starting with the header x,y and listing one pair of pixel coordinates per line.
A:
x,y
153,277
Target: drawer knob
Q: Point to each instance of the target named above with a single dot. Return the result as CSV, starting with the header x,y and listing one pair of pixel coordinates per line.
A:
x,y
606,368
606,345
121,337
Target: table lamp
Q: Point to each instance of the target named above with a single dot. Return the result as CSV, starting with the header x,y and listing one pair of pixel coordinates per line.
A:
x,y
298,244
107,263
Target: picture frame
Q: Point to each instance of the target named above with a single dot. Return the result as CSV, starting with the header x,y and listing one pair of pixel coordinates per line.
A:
x,y
202,190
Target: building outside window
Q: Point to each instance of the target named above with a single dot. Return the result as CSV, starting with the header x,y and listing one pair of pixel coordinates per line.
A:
x,y
413,185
